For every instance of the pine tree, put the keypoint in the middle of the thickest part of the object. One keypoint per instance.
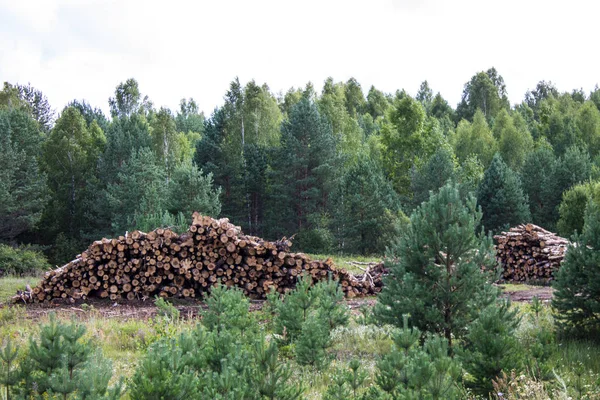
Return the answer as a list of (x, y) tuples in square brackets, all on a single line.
[(437, 276), (303, 169), (412, 371), (9, 374), (141, 188), (501, 197), (22, 186), (191, 190), (577, 281), (490, 347), (539, 185), (310, 347), (368, 214)]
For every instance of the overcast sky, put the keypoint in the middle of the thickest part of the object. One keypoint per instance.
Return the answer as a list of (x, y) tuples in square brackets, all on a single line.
[(77, 49)]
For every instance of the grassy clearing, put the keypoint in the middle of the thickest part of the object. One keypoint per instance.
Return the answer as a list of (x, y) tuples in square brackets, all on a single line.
[(345, 260), (516, 287), (571, 362)]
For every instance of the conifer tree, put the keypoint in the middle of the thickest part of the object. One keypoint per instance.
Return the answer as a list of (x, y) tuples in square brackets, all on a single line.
[(540, 186), (437, 276), (303, 169), (367, 210), (22, 186), (435, 173), (412, 371), (191, 190), (577, 288), (490, 346), (501, 197)]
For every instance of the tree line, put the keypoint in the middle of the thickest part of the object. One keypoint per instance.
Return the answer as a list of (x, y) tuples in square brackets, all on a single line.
[(337, 169)]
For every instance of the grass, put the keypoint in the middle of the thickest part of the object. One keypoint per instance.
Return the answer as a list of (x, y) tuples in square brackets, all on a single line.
[(10, 284), (345, 261), (125, 341), (516, 287)]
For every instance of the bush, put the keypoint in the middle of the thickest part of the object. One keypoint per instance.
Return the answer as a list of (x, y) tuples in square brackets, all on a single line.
[(21, 261), (58, 363), (490, 346)]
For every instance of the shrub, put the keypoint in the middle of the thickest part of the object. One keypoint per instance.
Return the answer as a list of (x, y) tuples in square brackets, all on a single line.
[(21, 261), (490, 346)]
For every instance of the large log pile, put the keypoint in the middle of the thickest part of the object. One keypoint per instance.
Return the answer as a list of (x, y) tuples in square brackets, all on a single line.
[(529, 253), (141, 265)]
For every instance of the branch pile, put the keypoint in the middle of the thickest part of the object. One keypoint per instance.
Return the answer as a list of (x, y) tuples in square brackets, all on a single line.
[(529, 253), (141, 265)]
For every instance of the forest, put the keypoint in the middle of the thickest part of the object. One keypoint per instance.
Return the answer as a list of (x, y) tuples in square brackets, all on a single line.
[(338, 170), (408, 179)]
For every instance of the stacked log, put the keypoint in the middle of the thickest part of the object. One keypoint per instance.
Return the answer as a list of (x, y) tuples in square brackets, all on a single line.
[(141, 265), (529, 253)]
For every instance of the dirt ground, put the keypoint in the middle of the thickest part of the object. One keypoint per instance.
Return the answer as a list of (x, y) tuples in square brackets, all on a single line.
[(191, 308)]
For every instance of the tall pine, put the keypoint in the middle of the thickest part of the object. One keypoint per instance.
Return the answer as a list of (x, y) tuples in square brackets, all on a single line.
[(501, 197), (302, 172)]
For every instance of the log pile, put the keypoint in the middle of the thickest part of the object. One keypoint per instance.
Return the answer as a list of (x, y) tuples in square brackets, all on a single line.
[(141, 265), (529, 253)]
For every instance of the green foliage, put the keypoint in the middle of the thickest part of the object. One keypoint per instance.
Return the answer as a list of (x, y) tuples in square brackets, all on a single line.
[(166, 309), (312, 342), (347, 382), (228, 309), (436, 270), (214, 360), (576, 286), (190, 190), (539, 184), (148, 222), (22, 261), (9, 374), (490, 346), (70, 156), (303, 169), (413, 371), (435, 173), (407, 136), (141, 188), (501, 197), (61, 362), (22, 186), (368, 214), (485, 92), (572, 207), (475, 139), (514, 139)]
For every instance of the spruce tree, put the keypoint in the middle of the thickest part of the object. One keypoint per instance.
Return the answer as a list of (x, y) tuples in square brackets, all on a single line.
[(302, 172), (367, 210), (577, 285), (435, 173), (440, 271), (501, 197)]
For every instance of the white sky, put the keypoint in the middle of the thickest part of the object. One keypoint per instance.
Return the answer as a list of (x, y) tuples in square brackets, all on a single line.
[(77, 49)]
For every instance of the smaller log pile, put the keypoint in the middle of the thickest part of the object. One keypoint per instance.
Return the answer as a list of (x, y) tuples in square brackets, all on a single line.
[(141, 265), (529, 253)]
